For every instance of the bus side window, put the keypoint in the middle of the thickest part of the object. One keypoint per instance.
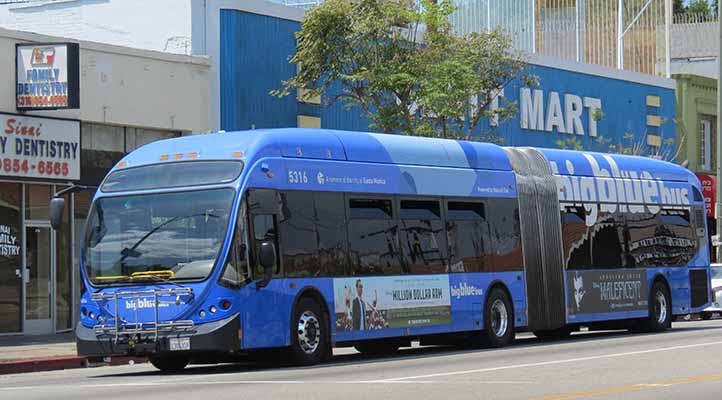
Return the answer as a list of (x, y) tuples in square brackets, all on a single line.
[(236, 268), (264, 230)]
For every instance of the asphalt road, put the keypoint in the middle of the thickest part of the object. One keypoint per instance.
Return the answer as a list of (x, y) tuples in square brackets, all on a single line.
[(684, 363)]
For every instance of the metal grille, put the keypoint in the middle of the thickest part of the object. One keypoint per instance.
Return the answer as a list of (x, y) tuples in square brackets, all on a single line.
[(582, 30), (698, 284), (513, 17)]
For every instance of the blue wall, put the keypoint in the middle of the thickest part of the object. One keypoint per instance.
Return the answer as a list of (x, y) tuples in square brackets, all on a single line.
[(254, 60)]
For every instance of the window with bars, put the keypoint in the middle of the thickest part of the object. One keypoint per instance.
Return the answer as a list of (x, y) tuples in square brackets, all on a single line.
[(707, 142)]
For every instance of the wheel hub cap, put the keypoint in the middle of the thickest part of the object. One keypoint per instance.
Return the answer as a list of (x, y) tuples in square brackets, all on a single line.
[(660, 306), (309, 332), (499, 318)]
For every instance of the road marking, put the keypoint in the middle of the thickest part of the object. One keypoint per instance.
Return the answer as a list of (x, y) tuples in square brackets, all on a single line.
[(554, 362), (631, 388)]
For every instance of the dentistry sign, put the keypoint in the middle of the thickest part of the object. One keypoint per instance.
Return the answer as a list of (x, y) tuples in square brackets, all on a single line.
[(45, 148), (47, 76)]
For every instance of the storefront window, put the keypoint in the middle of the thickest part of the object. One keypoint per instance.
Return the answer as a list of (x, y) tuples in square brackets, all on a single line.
[(37, 202), (10, 258)]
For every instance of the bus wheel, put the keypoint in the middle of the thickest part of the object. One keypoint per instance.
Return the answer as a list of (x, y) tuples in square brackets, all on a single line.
[(705, 316), (554, 334), (498, 319), (309, 333), (660, 309), (170, 362)]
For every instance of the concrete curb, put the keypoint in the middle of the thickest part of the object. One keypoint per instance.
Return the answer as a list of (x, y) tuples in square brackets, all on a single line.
[(57, 363)]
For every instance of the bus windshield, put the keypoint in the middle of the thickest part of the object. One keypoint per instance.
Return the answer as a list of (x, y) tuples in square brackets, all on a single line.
[(156, 236)]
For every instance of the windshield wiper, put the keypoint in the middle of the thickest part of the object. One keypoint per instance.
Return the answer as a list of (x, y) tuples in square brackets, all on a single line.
[(157, 276), (131, 252)]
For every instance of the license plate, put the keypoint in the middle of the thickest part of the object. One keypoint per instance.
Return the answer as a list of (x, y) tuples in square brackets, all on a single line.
[(180, 344)]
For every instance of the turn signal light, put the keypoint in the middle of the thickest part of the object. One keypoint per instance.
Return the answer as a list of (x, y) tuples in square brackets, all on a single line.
[(238, 154), (225, 304), (121, 164)]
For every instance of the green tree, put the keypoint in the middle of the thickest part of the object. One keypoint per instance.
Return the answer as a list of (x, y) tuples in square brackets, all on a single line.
[(403, 65), (678, 7), (699, 7)]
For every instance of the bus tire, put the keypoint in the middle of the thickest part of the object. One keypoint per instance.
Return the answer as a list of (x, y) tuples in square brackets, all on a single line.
[(660, 309), (705, 316), (498, 319), (170, 362), (309, 333), (554, 334), (376, 348)]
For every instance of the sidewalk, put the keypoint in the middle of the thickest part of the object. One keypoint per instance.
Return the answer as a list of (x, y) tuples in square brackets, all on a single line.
[(42, 353), (15, 348)]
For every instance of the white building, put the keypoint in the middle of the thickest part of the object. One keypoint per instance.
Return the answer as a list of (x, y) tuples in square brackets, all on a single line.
[(128, 97), (161, 25)]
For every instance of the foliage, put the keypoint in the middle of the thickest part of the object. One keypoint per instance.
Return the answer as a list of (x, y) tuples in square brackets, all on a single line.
[(628, 145), (699, 7), (401, 63), (678, 7)]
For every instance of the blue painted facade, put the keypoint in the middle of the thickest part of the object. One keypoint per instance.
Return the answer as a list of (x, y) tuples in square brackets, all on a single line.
[(377, 163), (255, 50)]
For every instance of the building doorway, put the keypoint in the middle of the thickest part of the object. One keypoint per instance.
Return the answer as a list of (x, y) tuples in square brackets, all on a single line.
[(39, 278)]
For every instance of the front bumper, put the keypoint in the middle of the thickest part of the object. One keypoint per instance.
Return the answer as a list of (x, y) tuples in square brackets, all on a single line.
[(212, 337)]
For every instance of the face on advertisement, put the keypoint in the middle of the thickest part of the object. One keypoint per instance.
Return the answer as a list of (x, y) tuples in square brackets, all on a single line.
[(359, 288)]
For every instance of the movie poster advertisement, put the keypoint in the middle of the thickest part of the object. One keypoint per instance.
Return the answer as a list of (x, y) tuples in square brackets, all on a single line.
[(606, 291), (366, 303)]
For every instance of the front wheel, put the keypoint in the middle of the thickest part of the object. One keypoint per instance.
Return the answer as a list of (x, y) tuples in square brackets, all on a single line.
[(309, 333), (498, 319), (170, 362), (660, 309), (706, 316)]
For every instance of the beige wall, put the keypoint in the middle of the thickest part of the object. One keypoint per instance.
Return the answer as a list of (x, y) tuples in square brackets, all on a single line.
[(124, 86)]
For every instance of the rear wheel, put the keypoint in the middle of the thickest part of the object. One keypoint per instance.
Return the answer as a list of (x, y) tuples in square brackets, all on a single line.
[(170, 362), (660, 309), (498, 319), (309, 333), (705, 315)]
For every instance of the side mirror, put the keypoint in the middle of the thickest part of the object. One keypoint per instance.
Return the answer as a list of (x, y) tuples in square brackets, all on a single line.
[(267, 259), (57, 206)]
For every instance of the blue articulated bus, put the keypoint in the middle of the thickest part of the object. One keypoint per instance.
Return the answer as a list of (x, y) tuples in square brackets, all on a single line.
[(212, 246)]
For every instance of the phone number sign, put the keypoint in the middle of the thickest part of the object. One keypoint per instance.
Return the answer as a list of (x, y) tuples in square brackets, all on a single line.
[(33, 147)]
